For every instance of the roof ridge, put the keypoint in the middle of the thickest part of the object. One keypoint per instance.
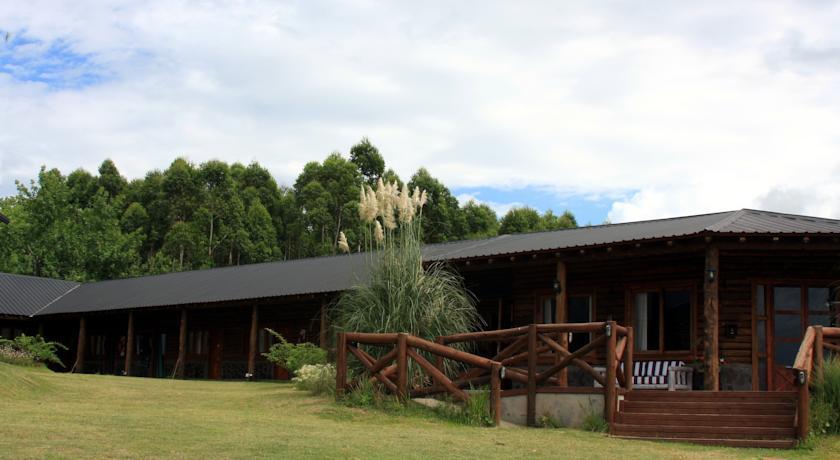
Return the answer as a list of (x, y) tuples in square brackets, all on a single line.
[(54, 300), (717, 226)]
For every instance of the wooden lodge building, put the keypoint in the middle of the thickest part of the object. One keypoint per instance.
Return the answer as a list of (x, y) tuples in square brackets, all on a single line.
[(730, 293)]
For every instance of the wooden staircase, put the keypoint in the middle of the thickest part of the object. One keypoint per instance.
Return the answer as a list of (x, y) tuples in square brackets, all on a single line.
[(727, 418)]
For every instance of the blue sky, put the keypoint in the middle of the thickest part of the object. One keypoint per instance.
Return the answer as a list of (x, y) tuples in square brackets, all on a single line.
[(609, 109)]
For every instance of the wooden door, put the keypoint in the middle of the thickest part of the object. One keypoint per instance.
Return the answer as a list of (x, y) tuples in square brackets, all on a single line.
[(216, 351)]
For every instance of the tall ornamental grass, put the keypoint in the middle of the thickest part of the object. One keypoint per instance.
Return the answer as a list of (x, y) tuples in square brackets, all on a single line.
[(400, 293), (825, 400)]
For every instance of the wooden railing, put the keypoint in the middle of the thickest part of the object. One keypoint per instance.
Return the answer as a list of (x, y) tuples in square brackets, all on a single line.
[(535, 356), (808, 363)]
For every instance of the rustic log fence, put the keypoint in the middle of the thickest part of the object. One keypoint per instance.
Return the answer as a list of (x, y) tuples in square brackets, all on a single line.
[(809, 362), (533, 356)]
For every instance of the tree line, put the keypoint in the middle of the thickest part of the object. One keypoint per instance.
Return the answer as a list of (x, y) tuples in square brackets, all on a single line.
[(91, 227)]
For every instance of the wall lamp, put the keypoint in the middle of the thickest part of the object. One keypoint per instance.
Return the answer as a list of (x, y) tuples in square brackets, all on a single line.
[(711, 275), (556, 286)]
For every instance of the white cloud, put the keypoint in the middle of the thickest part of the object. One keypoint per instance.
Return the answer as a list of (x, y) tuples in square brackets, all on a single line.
[(499, 208), (671, 108)]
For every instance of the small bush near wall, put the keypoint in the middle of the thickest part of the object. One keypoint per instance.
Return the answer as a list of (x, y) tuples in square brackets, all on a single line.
[(30, 350), (293, 356), (318, 379), (825, 402)]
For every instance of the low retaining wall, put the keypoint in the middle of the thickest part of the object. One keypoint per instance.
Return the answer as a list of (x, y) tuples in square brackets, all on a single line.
[(568, 409)]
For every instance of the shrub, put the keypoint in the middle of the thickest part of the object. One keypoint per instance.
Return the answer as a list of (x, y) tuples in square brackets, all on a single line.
[(11, 356), (319, 379), (475, 412), (547, 421), (293, 356), (35, 347), (400, 294), (595, 422), (825, 401)]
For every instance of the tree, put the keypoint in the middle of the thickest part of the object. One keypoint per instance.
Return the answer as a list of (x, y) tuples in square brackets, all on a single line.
[(83, 187), (262, 244), (480, 220), (442, 218), (367, 159), (110, 178), (520, 220), (550, 221)]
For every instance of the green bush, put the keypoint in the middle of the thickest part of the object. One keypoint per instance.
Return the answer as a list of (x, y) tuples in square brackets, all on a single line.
[(825, 400), (595, 422), (35, 347), (547, 421), (318, 379), (293, 356)]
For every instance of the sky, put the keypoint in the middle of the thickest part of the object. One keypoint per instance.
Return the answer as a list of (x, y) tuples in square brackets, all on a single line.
[(618, 111)]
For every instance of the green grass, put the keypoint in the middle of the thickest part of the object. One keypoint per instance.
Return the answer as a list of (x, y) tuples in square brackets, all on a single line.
[(59, 415)]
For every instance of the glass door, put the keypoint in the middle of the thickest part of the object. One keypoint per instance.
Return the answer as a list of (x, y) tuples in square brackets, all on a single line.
[(787, 334)]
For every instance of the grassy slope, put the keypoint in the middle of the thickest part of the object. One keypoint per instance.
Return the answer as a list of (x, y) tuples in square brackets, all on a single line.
[(47, 414)]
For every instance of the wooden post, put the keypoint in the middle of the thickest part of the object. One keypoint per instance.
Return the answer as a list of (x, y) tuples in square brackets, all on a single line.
[(628, 360), (819, 356), (129, 345), (323, 335), (561, 301), (340, 365), (532, 376), (711, 310), (802, 405), (79, 366), (496, 393), (252, 342), (402, 366), (182, 346), (609, 388)]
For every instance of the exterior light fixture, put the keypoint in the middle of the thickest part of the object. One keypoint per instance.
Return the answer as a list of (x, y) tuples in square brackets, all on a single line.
[(802, 377), (711, 275), (556, 286), (608, 330)]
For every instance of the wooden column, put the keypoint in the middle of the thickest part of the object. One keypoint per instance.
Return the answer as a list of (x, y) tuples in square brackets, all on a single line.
[(561, 301), (252, 342), (402, 366), (323, 335), (711, 311), (532, 376), (496, 393), (340, 365), (802, 409), (81, 345), (182, 345), (628, 360), (609, 388), (129, 345)]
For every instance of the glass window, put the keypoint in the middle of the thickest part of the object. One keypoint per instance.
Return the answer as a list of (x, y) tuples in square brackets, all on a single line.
[(549, 311), (788, 326), (646, 321), (818, 299), (762, 374), (759, 300), (580, 311), (787, 298), (761, 334), (677, 320), (819, 320), (786, 353)]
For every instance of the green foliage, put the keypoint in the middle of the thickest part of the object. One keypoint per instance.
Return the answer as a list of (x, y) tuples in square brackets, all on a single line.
[(293, 356), (475, 412), (318, 379), (368, 160), (480, 220), (825, 399), (35, 347), (594, 421), (442, 218), (526, 219), (546, 420)]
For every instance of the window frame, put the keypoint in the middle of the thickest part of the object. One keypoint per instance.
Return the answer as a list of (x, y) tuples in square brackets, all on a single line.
[(661, 288)]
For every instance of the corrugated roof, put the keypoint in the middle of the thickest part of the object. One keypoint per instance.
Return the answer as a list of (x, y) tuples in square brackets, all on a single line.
[(25, 295), (337, 273)]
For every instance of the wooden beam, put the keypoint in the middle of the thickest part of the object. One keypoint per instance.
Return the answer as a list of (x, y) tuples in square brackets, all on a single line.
[(129, 345), (81, 344), (711, 311), (561, 301), (182, 346), (252, 342), (819, 353), (496, 394), (628, 360), (609, 389), (323, 334)]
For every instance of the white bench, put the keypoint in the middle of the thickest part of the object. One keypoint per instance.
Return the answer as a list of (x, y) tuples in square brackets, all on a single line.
[(658, 375)]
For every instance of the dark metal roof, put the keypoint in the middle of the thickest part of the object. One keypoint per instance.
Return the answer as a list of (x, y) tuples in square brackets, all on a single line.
[(337, 273), (25, 295)]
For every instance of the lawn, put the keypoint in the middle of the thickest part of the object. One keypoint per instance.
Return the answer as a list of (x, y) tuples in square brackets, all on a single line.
[(60, 415)]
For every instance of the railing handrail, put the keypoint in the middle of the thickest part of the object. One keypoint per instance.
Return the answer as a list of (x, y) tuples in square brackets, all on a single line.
[(808, 359)]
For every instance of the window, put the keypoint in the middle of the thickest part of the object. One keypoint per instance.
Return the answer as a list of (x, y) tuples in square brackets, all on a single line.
[(580, 311), (662, 320), (96, 345), (197, 342), (549, 312)]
